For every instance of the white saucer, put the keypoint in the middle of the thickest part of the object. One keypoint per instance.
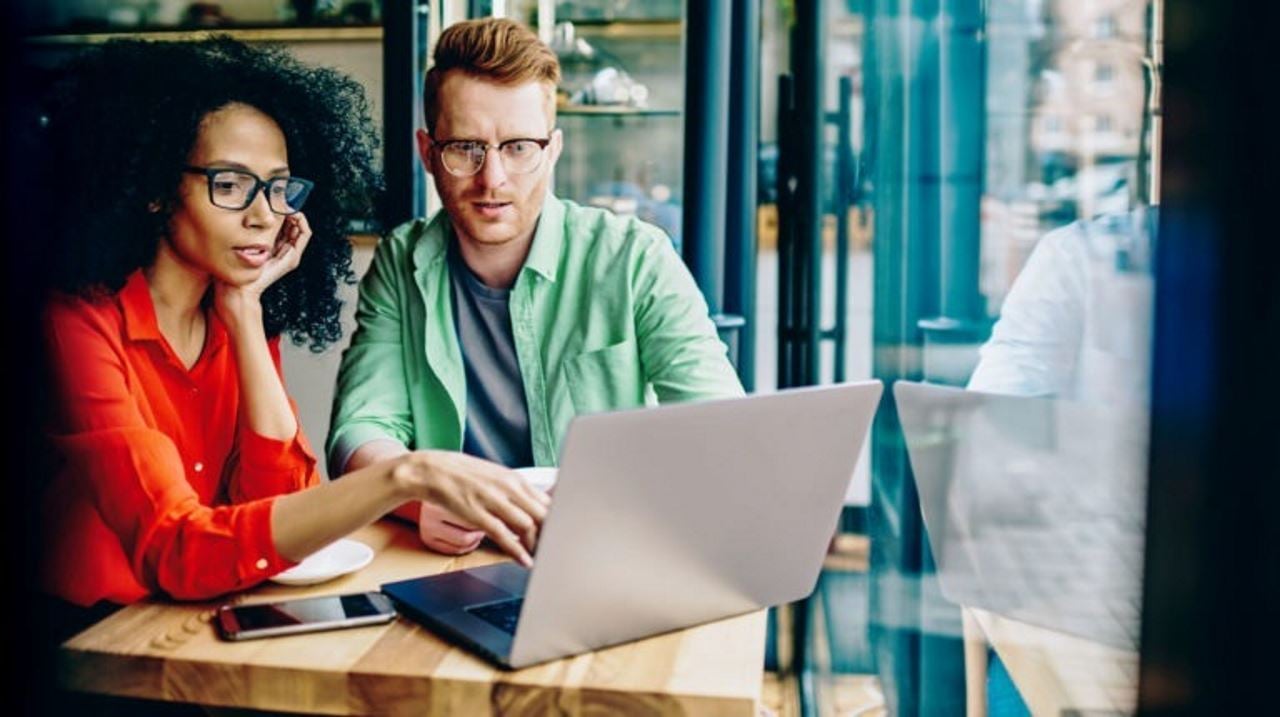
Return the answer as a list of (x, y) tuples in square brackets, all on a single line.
[(333, 560), (540, 478)]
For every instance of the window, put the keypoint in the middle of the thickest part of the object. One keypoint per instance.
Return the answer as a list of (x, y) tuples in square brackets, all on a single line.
[(1104, 73), (1103, 28), (1011, 266)]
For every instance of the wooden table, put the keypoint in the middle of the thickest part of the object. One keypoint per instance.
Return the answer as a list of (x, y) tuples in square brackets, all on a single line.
[(1056, 673), (168, 651)]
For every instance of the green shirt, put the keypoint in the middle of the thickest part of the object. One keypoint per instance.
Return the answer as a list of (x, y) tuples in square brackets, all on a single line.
[(604, 314)]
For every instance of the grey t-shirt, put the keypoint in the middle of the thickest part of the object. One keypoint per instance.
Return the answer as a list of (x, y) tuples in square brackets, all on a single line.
[(497, 415)]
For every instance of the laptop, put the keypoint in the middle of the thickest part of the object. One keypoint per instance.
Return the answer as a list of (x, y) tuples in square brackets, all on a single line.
[(664, 518), (1034, 507)]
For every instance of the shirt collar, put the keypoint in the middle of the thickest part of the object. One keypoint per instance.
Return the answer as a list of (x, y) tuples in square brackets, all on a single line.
[(548, 239), (139, 310), (140, 322), (544, 253)]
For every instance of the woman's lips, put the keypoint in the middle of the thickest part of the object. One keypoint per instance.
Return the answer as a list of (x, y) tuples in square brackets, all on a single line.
[(254, 256)]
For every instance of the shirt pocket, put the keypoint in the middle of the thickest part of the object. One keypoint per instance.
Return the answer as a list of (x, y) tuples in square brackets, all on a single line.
[(606, 379)]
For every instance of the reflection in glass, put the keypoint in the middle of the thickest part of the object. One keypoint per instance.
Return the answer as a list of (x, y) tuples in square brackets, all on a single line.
[(1034, 507), (1011, 152), (1077, 321)]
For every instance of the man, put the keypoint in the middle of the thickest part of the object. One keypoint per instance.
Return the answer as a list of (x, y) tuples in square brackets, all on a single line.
[(1076, 325), (1077, 321), (490, 326)]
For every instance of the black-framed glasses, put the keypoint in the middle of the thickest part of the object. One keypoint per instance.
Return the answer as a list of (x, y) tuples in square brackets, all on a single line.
[(465, 157), (236, 189)]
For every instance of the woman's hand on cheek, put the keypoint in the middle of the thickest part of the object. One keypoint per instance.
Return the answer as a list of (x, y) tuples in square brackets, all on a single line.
[(232, 302), (295, 233)]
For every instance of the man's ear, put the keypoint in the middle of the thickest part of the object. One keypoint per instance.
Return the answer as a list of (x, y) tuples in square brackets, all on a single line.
[(424, 149), (556, 146)]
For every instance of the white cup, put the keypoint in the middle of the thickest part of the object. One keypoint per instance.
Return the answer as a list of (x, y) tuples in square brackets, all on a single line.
[(541, 478)]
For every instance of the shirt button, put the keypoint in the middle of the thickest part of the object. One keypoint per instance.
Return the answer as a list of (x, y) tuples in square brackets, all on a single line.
[(198, 466), (261, 564)]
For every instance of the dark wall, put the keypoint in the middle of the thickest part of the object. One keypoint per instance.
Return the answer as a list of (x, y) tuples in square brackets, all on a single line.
[(1210, 633), (26, 673)]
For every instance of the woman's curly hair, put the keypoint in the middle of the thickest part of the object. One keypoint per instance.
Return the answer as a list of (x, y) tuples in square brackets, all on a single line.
[(119, 129)]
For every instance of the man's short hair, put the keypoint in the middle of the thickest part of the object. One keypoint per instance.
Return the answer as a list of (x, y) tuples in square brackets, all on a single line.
[(495, 49)]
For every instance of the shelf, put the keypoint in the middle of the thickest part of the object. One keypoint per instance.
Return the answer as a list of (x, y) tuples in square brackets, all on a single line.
[(614, 111), (628, 29), (343, 33)]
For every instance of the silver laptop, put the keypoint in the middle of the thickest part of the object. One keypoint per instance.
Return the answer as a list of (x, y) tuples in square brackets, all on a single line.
[(664, 518), (1034, 507)]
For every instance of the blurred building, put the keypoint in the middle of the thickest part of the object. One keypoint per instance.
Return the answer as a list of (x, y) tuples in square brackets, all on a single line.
[(1090, 94), (1074, 152)]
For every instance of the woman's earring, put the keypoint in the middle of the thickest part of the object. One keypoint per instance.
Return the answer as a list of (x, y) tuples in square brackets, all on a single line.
[(154, 206)]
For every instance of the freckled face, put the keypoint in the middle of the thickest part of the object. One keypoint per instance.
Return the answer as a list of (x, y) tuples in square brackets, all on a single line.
[(492, 207)]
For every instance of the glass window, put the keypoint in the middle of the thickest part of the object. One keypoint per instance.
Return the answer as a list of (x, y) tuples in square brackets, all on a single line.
[(1104, 73), (1104, 27), (1007, 154), (619, 103)]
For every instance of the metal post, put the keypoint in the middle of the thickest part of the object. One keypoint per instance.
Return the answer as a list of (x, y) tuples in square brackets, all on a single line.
[(901, 138), (706, 144), (961, 322), (808, 59), (808, 48), (844, 190), (740, 218), (962, 95), (403, 38), (787, 320)]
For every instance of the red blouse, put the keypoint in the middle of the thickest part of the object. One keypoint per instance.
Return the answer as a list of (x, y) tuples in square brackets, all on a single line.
[(161, 487)]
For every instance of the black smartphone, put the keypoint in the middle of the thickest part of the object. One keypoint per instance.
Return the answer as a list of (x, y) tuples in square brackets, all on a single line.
[(289, 617)]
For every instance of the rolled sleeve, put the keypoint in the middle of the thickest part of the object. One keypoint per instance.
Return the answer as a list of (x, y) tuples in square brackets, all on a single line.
[(257, 555), (232, 545), (174, 544), (267, 466), (260, 451), (347, 441)]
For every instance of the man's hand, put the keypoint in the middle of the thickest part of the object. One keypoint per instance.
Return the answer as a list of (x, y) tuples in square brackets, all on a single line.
[(445, 532), (476, 492)]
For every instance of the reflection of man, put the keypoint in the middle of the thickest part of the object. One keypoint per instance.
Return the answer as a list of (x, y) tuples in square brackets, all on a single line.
[(1077, 325), (1077, 322), (490, 326)]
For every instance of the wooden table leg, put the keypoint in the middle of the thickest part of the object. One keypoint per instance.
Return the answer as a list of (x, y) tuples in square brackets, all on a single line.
[(975, 666)]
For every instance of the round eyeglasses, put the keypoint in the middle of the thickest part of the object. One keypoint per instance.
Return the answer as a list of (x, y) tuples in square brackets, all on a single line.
[(236, 189), (465, 157)]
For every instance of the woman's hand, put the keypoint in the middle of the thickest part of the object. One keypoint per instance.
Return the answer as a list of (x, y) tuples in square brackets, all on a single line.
[(493, 499), (234, 302)]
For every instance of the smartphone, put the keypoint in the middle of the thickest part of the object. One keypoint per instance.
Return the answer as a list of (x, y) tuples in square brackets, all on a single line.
[(290, 617)]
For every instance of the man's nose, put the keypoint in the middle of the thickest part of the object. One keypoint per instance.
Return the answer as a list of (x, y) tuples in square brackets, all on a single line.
[(493, 173)]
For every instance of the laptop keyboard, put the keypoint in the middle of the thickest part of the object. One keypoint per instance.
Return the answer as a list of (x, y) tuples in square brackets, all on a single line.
[(502, 615)]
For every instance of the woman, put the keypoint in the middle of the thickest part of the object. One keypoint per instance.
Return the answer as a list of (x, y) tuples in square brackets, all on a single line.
[(181, 255)]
